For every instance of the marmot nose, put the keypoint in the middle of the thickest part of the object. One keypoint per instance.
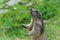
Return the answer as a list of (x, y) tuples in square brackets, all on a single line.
[(32, 10)]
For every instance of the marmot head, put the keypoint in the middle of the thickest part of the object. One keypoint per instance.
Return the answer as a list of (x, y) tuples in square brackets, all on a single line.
[(35, 13)]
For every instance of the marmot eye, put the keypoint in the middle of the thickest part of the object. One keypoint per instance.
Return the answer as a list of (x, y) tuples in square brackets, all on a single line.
[(36, 11)]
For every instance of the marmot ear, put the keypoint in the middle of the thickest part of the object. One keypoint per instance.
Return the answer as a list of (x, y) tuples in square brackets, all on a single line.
[(36, 11)]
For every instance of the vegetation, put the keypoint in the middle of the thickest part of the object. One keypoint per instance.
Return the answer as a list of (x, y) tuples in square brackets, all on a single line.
[(10, 22)]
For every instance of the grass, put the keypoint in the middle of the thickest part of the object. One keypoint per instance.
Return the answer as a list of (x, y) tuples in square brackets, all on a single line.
[(20, 14), (52, 30)]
